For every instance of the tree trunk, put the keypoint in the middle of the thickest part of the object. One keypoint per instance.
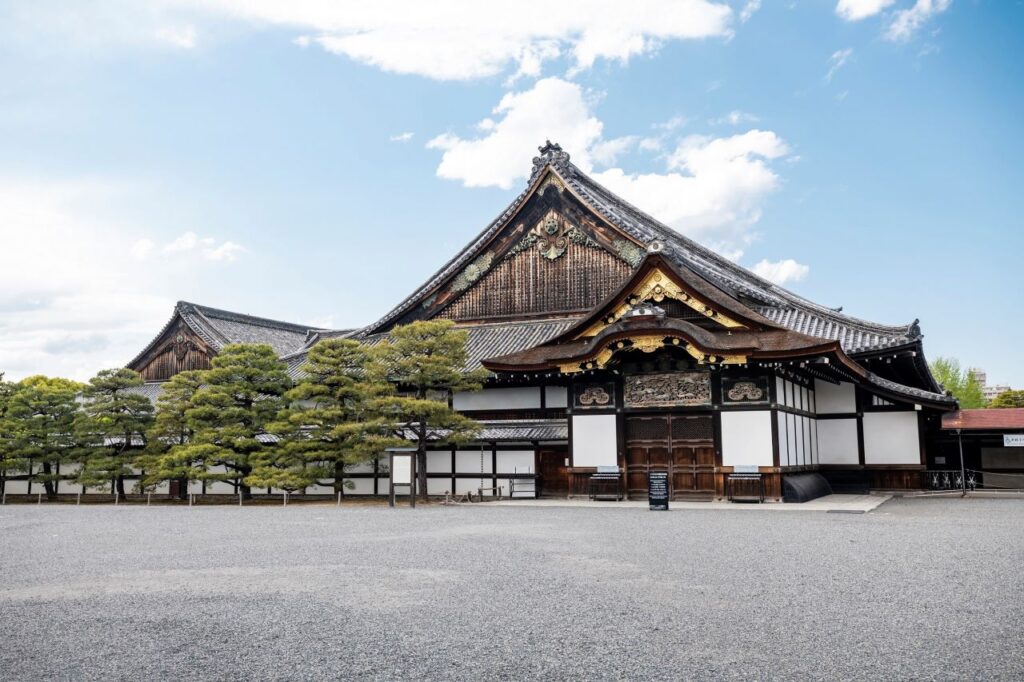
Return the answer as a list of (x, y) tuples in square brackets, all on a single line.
[(120, 487), (48, 486), (339, 478), (246, 491), (183, 488), (421, 471)]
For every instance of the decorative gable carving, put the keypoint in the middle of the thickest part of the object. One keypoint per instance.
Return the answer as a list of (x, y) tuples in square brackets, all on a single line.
[(657, 286)]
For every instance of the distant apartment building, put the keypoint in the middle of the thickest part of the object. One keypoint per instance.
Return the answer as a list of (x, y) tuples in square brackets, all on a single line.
[(989, 392)]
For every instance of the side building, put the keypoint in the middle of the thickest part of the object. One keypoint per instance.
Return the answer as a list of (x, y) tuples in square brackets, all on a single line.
[(614, 341)]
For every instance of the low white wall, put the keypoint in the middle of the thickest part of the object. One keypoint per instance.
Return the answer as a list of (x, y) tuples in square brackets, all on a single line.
[(835, 399), (837, 441), (519, 398), (747, 438), (891, 438), (594, 440)]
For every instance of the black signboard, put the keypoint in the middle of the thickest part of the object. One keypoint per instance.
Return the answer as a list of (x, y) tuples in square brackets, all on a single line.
[(657, 490)]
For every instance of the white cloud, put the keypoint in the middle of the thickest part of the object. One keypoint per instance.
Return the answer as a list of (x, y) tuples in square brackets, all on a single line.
[(552, 109), (401, 137), (183, 37), (712, 188), (447, 40), (855, 10), (749, 9), (206, 247), (79, 291), (781, 272), (906, 22), (607, 152), (734, 118), (837, 61)]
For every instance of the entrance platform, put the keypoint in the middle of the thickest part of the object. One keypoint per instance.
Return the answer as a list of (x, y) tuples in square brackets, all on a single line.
[(852, 504)]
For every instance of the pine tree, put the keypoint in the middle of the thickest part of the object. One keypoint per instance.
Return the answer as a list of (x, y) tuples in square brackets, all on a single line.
[(335, 419), (39, 427), (9, 459), (229, 415), (113, 422), (170, 428), (427, 360)]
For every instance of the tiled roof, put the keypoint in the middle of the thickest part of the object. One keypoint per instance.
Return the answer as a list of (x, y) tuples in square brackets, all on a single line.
[(1009, 418), (222, 327), (911, 392), (524, 430), (484, 340), (516, 430), (150, 389), (770, 300)]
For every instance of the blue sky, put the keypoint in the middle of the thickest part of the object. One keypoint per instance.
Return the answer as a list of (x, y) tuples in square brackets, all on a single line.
[(315, 161)]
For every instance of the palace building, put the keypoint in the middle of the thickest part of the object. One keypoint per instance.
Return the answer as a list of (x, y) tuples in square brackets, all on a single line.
[(617, 345)]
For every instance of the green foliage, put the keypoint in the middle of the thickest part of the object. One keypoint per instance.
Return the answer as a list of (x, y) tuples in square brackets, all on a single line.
[(426, 360), (962, 385), (1008, 399), (170, 428), (9, 458), (229, 415), (112, 424), (334, 420), (38, 426)]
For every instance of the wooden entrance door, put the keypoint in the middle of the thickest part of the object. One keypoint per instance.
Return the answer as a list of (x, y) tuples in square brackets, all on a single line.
[(554, 474), (681, 445)]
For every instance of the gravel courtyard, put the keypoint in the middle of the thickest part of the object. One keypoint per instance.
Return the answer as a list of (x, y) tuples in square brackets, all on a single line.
[(918, 589)]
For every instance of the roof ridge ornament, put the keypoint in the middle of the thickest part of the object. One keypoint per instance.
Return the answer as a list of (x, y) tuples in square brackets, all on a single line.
[(551, 154)]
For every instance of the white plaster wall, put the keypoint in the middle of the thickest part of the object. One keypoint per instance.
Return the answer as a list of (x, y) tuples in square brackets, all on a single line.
[(439, 461), (747, 438), (466, 485), (801, 454), (468, 461), (594, 440), (556, 396), (511, 460), (518, 398), (891, 438), (363, 486), (813, 435), (438, 486), (16, 487), (837, 441), (72, 488), (783, 440), (835, 399)]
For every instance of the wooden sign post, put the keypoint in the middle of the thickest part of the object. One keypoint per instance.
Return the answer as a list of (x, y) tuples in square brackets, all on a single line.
[(402, 465)]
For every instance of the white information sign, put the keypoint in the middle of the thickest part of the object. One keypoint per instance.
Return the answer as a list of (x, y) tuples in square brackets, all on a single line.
[(401, 469), (1013, 440)]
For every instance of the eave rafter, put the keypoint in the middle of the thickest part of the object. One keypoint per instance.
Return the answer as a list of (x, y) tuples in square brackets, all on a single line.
[(657, 286), (649, 342)]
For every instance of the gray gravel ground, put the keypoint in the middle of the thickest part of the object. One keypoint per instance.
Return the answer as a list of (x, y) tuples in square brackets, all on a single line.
[(918, 589)]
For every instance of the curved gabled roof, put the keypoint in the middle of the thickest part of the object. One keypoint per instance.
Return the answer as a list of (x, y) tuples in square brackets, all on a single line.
[(776, 303), (219, 328)]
